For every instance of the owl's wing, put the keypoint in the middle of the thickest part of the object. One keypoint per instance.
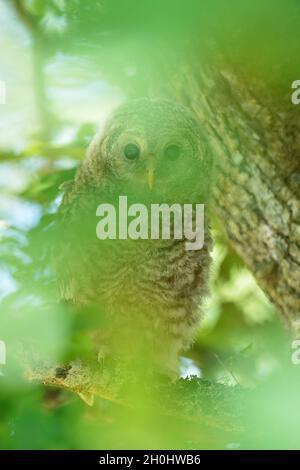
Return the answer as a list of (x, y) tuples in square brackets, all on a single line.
[(63, 245), (67, 188), (66, 185), (75, 229)]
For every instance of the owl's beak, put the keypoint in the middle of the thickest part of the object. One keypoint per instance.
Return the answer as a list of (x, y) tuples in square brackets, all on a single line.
[(150, 165), (150, 178)]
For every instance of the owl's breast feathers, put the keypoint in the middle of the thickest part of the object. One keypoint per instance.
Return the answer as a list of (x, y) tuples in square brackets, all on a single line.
[(155, 283)]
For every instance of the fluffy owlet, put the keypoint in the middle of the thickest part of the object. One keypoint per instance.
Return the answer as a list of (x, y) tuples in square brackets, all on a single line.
[(145, 294)]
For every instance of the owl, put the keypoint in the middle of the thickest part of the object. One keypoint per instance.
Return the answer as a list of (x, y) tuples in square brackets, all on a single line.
[(143, 295)]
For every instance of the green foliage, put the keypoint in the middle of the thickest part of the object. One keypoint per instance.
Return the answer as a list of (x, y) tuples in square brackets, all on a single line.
[(247, 394)]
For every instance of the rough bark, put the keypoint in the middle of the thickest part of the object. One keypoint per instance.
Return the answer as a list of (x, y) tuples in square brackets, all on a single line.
[(256, 195)]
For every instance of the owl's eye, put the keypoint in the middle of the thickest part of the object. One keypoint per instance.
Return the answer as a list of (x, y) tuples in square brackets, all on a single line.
[(172, 152), (131, 151)]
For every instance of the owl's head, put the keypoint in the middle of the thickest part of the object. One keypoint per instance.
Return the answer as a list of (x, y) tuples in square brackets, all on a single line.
[(150, 146)]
